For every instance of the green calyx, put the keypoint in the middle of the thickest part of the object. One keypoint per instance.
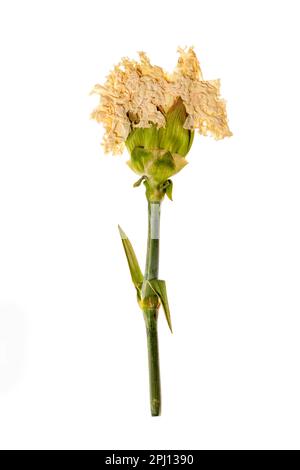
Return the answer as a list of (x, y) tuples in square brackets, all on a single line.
[(157, 154)]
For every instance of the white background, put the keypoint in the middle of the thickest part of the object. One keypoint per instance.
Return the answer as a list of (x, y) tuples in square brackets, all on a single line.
[(73, 366)]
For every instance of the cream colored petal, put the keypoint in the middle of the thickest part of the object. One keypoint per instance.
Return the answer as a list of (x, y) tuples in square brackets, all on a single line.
[(137, 94), (188, 65)]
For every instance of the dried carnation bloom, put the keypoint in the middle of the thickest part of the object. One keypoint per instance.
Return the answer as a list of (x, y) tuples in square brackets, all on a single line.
[(138, 94)]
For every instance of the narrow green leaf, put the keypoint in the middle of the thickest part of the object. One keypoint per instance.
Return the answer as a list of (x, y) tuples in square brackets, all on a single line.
[(135, 271), (160, 288)]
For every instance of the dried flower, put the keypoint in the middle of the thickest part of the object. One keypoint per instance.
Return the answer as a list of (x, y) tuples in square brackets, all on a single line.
[(155, 115), (139, 95)]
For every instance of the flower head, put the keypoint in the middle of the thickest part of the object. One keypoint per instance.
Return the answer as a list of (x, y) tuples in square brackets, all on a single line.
[(138, 94), (154, 114)]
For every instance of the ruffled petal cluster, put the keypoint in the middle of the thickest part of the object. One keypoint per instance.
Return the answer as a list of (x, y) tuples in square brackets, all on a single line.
[(137, 94)]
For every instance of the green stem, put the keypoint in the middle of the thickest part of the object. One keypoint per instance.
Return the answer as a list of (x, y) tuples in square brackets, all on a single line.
[(151, 310), (152, 259), (150, 316)]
